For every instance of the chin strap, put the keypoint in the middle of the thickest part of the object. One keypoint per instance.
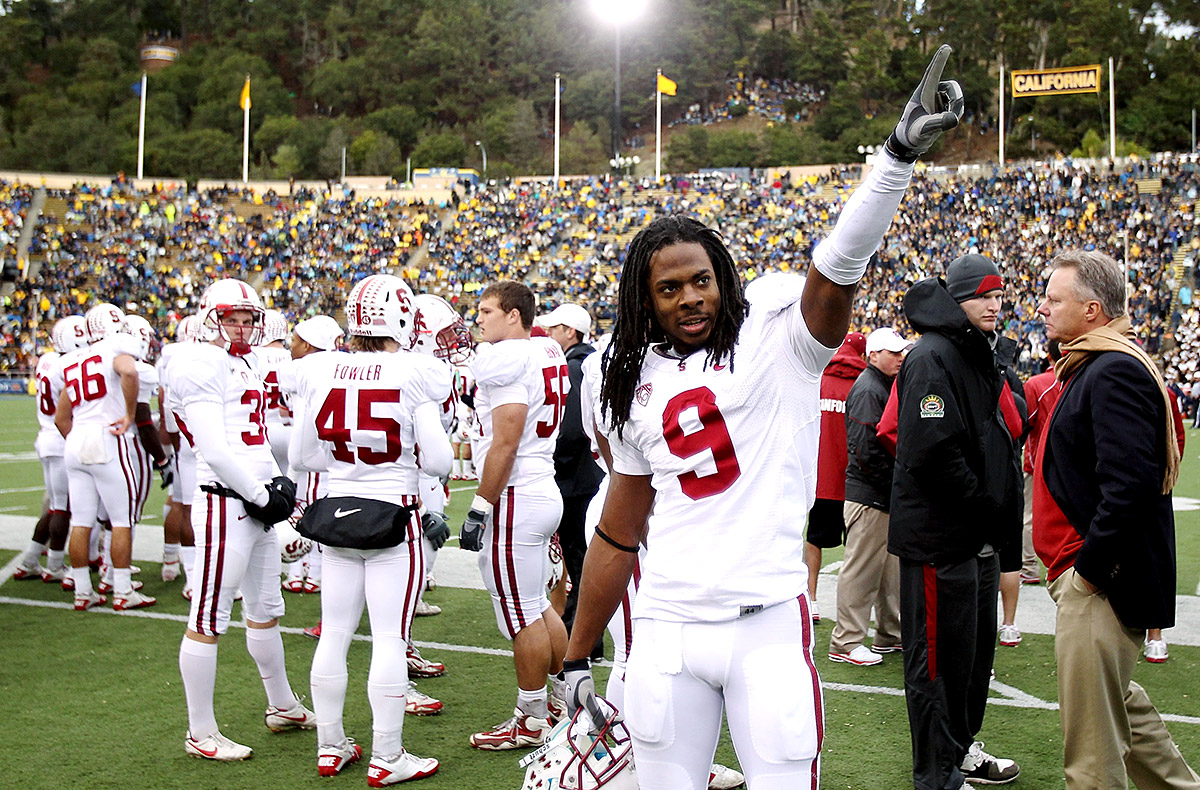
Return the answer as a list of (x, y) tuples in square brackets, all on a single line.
[(238, 348)]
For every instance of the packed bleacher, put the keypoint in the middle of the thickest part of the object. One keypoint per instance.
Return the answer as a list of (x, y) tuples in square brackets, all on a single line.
[(779, 100), (152, 252)]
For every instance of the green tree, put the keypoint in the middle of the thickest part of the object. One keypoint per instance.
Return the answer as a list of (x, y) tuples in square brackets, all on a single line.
[(441, 149)]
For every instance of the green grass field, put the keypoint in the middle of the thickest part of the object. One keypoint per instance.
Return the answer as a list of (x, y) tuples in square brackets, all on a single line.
[(95, 699)]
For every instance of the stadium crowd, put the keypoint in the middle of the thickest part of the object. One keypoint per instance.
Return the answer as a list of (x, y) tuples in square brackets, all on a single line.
[(146, 251), (780, 100)]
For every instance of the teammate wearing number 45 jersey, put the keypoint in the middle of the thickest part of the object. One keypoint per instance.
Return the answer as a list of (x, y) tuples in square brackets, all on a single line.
[(220, 403), (522, 386), (710, 396)]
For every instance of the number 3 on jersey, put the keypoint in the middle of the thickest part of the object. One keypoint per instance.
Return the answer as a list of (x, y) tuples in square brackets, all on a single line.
[(712, 436), (556, 398)]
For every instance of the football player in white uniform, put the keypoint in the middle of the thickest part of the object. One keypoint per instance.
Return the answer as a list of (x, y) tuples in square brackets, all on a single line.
[(365, 414), (221, 413), (270, 355), (52, 528), (441, 333), (521, 387), (179, 543), (712, 396), (96, 412)]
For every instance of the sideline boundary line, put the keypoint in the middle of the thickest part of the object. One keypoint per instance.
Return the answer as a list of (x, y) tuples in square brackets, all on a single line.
[(1014, 697)]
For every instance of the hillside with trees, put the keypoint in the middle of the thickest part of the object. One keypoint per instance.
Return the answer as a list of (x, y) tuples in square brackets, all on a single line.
[(392, 79)]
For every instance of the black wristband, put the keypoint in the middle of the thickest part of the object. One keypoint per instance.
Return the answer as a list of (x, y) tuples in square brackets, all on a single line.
[(900, 151), (575, 664), (614, 544)]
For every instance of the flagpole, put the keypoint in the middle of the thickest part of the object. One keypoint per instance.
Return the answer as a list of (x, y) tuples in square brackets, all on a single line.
[(142, 127), (1112, 115), (658, 127), (557, 127), (246, 134), (1002, 89)]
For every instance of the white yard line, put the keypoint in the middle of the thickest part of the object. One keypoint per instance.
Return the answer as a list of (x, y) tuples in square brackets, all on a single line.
[(1014, 697)]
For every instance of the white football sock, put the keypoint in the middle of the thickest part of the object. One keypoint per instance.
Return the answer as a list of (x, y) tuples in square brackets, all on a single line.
[(265, 646), (170, 552), (122, 581), (33, 554), (83, 581), (533, 703), (94, 544), (187, 557), (198, 667), (387, 688), (55, 558), (329, 700)]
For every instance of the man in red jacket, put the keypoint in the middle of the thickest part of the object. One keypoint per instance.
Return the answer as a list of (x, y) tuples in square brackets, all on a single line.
[(826, 525)]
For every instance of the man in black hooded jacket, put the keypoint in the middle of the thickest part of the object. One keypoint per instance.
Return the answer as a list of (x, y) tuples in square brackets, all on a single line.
[(956, 503)]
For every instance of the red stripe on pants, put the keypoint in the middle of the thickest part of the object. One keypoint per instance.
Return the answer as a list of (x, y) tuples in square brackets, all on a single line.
[(497, 576), (510, 561), (220, 562), (931, 619), (208, 548)]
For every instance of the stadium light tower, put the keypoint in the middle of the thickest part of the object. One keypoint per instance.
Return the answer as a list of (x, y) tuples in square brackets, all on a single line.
[(483, 151), (618, 13)]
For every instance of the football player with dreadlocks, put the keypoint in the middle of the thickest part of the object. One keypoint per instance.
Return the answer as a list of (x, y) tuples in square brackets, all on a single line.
[(712, 397)]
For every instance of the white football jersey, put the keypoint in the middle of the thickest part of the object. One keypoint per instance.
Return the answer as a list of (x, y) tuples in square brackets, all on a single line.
[(360, 407), (269, 360), (732, 454), (207, 373), (147, 381), (91, 383), (532, 372), (48, 377)]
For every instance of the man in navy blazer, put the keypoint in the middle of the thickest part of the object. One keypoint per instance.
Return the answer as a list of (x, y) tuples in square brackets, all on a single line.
[(1104, 527)]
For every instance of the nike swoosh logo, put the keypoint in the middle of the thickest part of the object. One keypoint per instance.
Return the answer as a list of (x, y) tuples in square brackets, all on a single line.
[(339, 513), (213, 753), (719, 368), (244, 515)]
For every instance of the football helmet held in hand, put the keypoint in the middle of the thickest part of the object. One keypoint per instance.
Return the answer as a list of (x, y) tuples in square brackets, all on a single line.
[(580, 754)]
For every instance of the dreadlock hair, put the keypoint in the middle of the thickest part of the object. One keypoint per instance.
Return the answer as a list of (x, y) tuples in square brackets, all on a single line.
[(636, 326)]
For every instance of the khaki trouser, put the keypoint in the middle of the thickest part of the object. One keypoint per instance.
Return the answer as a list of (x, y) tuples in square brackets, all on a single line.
[(1029, 559), (1111, 731), (869, 575)]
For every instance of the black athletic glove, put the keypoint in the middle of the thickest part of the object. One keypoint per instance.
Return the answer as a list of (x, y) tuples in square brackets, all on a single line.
[(166, 472), (433, 524), (470, 537), (934, 107), (281, 501), (581, 691)]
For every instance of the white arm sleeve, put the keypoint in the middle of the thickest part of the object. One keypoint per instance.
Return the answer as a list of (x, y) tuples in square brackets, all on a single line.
[(436, 457), (842, 256), (214, 449)]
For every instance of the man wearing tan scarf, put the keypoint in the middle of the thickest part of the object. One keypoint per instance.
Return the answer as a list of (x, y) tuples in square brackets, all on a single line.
[(1104, 527)]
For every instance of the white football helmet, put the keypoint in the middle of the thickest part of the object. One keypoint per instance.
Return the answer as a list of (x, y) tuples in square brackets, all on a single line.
[(188, 330), (103, 320), (143, 332), (292, 545), (572, 758), (275, 327), (228, 296), (441, 331), (382, 306), (69, 334)]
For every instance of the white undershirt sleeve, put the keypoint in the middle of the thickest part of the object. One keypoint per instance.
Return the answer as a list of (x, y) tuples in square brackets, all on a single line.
[(215, 451), (436, 456), (842, 256)]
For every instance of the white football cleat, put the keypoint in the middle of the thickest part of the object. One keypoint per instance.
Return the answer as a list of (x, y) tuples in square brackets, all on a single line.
[(132, 600), (85, 602), (296, 717), (418, 704), (332, 759), (396, 768), (107, 586), (424, 609), (28, 572), (170, 570), (722, 778), (217, 747), (421, 667), (52, 575)]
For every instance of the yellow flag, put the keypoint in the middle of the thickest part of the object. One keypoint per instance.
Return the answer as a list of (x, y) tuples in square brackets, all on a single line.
[(664, 85), (244, 101)]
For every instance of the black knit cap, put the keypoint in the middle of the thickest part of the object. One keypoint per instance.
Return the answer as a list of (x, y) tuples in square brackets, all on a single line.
[(971, 276)]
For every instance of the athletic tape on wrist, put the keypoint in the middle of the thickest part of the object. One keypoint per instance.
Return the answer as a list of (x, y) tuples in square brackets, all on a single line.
[(482, 505)]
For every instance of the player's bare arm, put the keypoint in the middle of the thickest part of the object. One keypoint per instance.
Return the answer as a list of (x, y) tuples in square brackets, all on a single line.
[(125, 366), (508, 423), (606, 567), (63, 414), (826, 307)]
